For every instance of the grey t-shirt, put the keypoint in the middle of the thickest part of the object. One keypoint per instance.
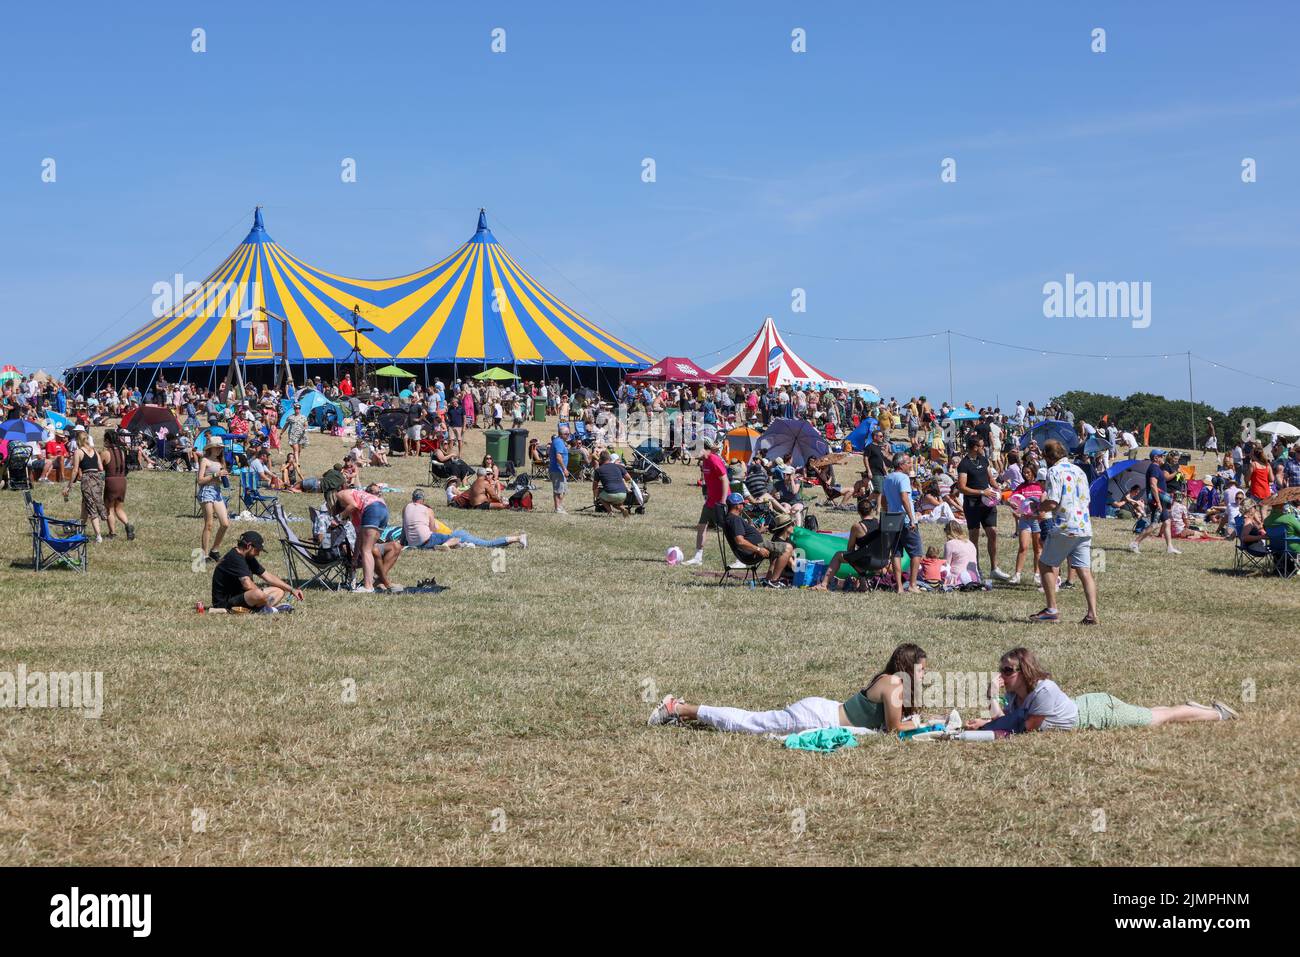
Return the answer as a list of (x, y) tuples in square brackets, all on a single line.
[(1047, 699)]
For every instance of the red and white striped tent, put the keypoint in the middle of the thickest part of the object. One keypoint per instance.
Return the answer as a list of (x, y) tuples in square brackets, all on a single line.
[(768, 360)]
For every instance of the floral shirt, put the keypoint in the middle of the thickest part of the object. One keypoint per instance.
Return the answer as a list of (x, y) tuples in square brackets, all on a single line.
[(1067, 486)]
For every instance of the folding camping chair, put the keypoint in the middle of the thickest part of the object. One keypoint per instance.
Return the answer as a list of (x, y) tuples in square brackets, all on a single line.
[(52, 546), (748, 564), (251, 497), (16, 466), (1282, 558), (311, 564), (1243, 559), (881, 551)]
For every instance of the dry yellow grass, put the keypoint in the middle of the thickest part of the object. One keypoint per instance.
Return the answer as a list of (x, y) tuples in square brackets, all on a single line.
[(503, 720)]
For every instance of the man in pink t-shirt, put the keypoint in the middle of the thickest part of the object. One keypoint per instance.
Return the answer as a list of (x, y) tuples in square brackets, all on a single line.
[(716, 486)]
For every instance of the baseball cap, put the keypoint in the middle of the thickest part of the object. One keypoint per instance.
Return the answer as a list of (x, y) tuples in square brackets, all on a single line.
[(1155, 452), (251, 538), (417, 495), (735, 498)]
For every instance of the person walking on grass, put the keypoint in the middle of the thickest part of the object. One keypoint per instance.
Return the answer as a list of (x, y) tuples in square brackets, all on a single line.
[(1158, 502), (1066, 530), (87, 468), (1036, 703), (295, 431), (208, 481), (713, 471), (115, 485), (886, 703)]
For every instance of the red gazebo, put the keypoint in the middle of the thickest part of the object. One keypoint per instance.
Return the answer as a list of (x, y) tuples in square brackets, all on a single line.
[(677, 370)]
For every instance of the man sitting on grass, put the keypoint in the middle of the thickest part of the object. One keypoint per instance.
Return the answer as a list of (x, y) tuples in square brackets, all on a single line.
[(232, 580), (750, 544)]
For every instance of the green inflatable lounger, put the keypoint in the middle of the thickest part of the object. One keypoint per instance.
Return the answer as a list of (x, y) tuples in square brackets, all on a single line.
[(822, 546)]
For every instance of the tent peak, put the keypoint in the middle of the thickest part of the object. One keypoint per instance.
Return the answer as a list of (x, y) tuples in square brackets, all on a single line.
[(482, 234), (258, 233)]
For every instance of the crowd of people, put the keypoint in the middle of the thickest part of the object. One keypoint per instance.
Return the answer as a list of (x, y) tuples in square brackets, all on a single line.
[(953, 467)]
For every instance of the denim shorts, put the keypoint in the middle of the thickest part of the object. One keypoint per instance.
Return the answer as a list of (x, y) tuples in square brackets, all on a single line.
[(1027, 525), (209, 493), (375, 515)]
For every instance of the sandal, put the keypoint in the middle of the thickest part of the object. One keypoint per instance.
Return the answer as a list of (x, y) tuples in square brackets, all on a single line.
[(1088, 620)]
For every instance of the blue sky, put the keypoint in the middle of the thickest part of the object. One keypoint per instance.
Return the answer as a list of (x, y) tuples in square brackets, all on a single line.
[(775, 170)]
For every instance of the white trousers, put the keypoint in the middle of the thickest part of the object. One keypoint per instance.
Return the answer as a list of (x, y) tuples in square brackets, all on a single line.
[(805, 714), (940, 514)]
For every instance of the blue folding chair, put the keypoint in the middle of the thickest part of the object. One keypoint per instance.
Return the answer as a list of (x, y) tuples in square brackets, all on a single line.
[(56, 542), (253, 499), (1280, 543), (1256, 558)]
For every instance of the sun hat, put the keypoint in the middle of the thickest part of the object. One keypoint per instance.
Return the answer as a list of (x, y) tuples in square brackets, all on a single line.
[(780, 522)]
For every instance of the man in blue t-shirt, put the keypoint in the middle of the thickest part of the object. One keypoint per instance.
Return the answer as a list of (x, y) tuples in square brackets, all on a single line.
[(559, 466), (1157, 494), (895, 497)]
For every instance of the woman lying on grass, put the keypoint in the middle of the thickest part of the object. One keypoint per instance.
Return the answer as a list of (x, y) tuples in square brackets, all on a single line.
[(882, 705), (1035, 702)]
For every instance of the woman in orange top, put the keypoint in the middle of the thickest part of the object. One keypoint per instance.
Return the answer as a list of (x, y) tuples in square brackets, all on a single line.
[(1259, 476)]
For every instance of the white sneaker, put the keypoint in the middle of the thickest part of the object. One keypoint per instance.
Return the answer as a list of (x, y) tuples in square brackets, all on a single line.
[(738, 565), (523, 541), (1000, 575), (1172, 551), (698, 559), (1133, 547), (560, 511), (363, 591), (99, 539), (468, 545), (1014, 579), (665, 713)]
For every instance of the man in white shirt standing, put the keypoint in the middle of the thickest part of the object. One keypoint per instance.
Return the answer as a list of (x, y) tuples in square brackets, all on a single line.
[(1066, 524)]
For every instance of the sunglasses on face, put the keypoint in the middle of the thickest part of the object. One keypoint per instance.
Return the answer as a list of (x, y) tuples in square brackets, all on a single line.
[(1008, 671)]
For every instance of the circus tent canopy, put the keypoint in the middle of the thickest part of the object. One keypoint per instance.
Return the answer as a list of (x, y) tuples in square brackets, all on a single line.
[(477, 306), (768, 360)]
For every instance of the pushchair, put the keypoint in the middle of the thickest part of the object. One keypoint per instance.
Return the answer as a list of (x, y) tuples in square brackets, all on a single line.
[(645, 462)]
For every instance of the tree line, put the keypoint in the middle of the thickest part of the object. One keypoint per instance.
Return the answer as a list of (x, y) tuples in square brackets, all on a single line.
[(1173, 421)]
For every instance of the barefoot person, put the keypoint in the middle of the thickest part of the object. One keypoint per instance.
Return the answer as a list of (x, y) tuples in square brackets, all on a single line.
[(1036, 703), (886, 703), (422, 529), (208, 482), (233, 585)]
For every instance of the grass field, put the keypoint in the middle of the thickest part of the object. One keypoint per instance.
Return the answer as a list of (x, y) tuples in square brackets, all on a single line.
[(503, 721)]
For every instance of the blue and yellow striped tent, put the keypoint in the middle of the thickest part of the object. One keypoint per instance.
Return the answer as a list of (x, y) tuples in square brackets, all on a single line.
[(477, 307)]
